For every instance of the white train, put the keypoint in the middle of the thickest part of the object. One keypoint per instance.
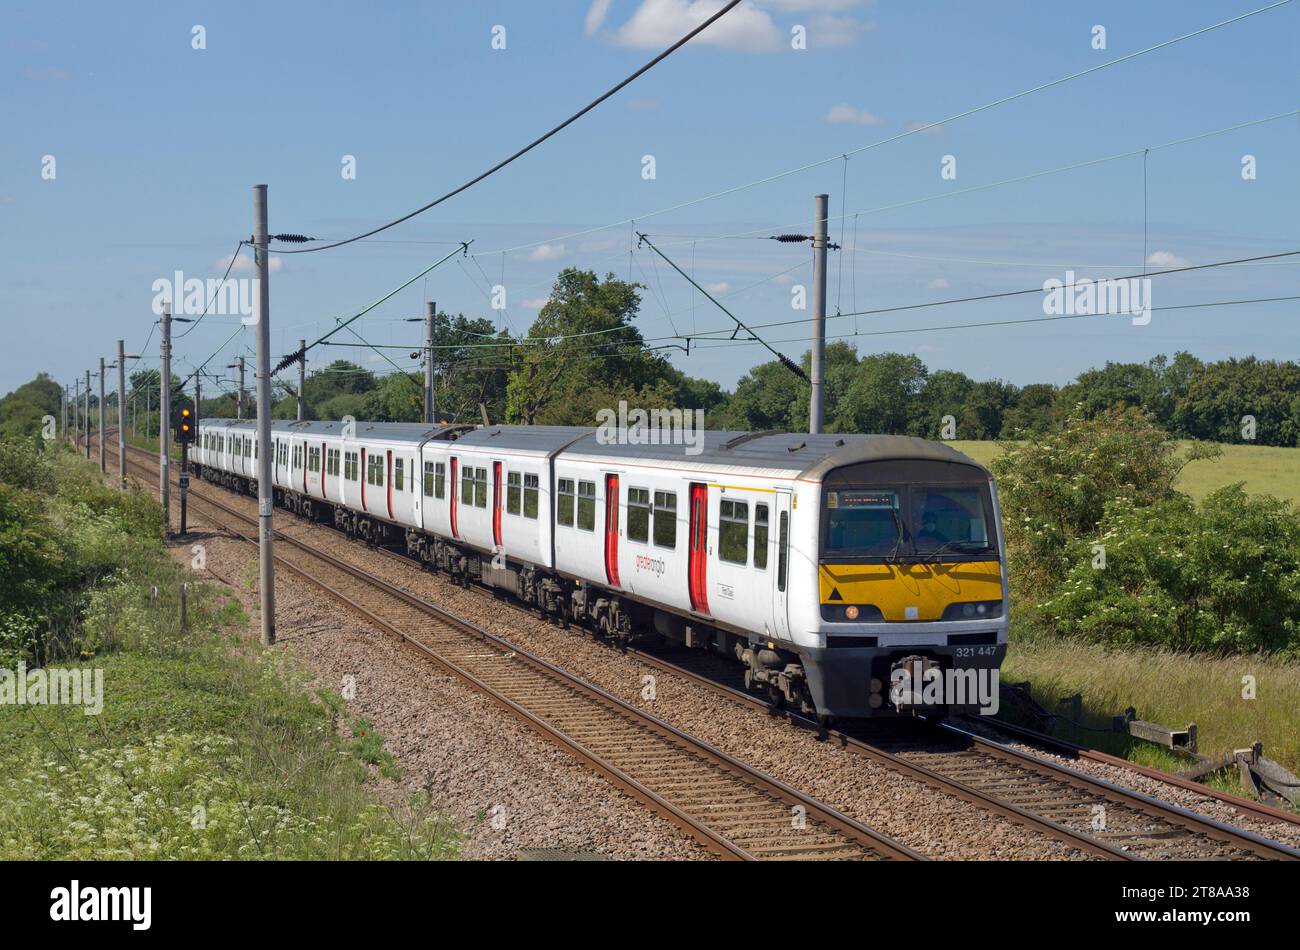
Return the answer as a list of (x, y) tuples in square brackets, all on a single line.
[(823, 563)]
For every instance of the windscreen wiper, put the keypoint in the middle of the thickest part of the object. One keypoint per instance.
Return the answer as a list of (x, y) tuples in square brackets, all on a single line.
[(898, 524), (975, 546)]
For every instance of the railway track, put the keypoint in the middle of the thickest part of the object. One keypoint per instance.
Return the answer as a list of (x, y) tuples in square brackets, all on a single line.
[(731, 808), (1080, 810), (1099, 817)]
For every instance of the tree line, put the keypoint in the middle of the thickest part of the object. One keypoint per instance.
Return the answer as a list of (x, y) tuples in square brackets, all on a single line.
[(584, 353)]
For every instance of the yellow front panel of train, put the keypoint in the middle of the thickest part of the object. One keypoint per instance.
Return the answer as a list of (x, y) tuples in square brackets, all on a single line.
[(911, 592)]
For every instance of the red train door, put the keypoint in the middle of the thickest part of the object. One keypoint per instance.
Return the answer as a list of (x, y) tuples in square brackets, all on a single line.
[(455, 488), (698, 559), (324, 455), (304, 467), (389, 483), (496, 504), (611, 530), (362, 474)]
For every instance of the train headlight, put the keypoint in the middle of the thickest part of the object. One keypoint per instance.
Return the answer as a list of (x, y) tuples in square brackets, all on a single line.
[(974, 610), (851, 612)]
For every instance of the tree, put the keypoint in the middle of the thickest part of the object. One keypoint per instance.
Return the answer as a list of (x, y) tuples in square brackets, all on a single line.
[(1220, 396), (945, 393), (1034, 412), (882, 396), (582, 354), (986, 405), (1054, 490)]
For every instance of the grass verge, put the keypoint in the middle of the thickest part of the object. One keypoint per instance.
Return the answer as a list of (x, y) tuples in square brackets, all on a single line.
[(1170, 688), (207, 746)]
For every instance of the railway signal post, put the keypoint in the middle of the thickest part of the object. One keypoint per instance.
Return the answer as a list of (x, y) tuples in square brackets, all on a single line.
[(186, 422), (165, 416), (262, 378), (816, 406)]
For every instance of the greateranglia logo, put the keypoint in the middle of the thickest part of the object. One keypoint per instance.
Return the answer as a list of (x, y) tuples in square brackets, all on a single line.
[(103, 903)]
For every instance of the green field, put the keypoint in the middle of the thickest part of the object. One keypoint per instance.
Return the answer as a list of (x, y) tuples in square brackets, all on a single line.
[(1264, 469)]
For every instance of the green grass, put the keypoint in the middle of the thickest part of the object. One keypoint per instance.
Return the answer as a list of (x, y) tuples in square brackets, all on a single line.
[(207, 745), (1169, 688), (1264, 469)]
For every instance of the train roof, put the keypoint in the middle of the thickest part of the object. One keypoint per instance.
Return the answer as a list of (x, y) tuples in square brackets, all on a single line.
[(383, 431), (786, 454), (796, 455)]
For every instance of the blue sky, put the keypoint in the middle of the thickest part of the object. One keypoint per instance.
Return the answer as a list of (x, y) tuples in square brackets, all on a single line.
[(157, 146)]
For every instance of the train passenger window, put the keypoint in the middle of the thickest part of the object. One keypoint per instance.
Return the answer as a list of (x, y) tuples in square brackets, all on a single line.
[(782, 549), (428, 479), (733, 531), (467, 486), (332, 462), (351, 467), (530, 496), (313, 459), (638, 515), (665, 515), (760, 537), (440, 480), (564, 502), (399, 474), (480, 488), (514, 492), (587, 506)]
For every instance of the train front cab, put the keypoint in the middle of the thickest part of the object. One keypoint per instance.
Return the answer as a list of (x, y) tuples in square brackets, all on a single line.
[(909, 575)]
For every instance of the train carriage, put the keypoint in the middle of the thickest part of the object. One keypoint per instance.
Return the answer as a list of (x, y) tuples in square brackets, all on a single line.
[(823, 563)]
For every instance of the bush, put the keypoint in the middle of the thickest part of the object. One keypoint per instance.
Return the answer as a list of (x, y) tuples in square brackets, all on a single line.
[(1221, 577), (1054, 490)]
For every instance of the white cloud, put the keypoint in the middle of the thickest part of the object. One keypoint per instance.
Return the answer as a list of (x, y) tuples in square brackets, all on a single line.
[(660, 23), (546, 252), (925, 128), (535, 303), (245, 264), (1166, 259), (596, 15), (721, 287), (851, 115), (939, 283)]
